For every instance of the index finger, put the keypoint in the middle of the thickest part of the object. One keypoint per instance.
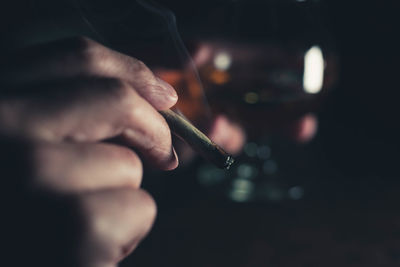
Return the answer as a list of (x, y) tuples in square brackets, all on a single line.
[(80, 56)]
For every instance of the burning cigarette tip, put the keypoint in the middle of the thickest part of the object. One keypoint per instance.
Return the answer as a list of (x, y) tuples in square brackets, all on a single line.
[(197, 140), (229, 161)]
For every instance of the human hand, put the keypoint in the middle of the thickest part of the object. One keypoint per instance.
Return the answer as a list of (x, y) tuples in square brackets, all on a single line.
[(60, 104)]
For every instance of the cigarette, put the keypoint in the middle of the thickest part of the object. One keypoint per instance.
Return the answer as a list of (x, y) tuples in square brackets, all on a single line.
[(197, 140)]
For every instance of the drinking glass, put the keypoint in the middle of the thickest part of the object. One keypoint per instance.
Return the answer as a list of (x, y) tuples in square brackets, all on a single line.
[(269, 66)]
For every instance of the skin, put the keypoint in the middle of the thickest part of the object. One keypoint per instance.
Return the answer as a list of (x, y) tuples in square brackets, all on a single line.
[(76, 121), (62, 104)]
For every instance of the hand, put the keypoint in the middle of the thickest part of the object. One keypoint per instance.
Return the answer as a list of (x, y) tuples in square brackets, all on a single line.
[(60, 104)]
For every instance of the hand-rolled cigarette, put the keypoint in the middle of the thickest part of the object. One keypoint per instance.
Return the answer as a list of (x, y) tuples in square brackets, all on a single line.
[(197, 140)]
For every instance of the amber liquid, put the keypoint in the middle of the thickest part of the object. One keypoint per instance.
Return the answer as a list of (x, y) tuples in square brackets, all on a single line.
[(261, 89)]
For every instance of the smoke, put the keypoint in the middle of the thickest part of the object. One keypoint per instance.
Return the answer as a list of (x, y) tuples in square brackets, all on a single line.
[(115, 16), (170, 20)]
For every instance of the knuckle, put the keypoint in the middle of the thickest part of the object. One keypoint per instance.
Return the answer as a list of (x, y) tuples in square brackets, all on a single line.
[(134, 167), (139, 65), (122, 94), (85, 52), (142, 71), (135, 109), (134, 210), (143, 203), (120, 89), (149, 209)]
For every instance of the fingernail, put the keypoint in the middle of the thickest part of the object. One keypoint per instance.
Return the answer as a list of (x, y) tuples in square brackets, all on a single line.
[(169, 90), (176, 155), (160, 99), (161, 95), (175, 160)]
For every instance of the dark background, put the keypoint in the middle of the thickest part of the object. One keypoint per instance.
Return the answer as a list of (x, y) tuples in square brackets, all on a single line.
[(351, 218)]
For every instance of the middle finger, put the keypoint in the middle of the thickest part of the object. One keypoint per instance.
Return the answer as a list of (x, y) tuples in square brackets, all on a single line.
[(91, 111)]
